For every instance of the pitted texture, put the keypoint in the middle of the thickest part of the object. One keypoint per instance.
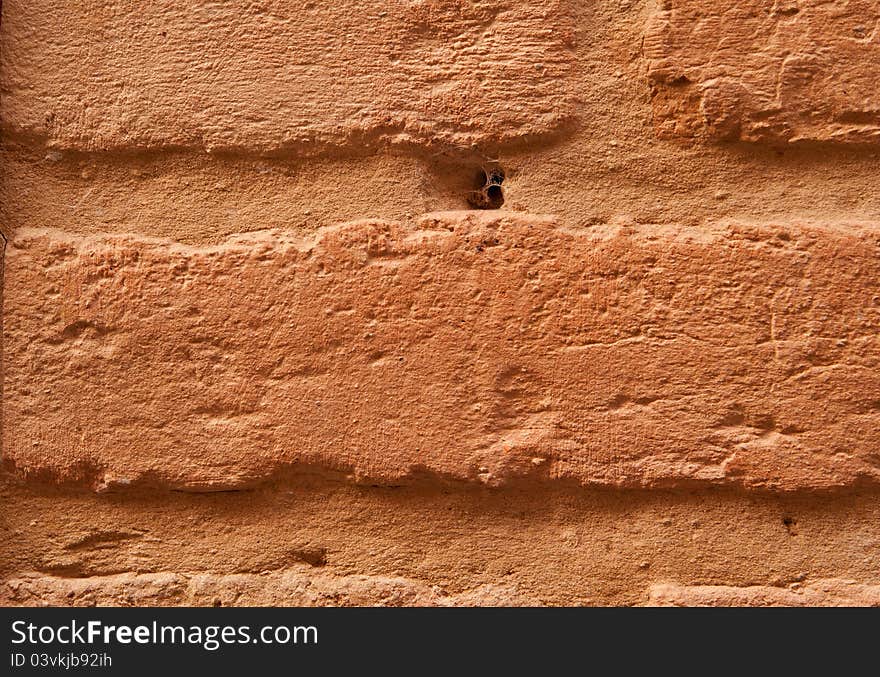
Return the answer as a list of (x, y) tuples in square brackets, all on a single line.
[(282, 75), (285, 588), (663, 392), (778, 71), (483, 348), (831, 592)]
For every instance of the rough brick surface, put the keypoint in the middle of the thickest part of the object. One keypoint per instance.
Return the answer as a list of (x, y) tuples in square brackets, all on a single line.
[(542, 543), (484, 348), (284, 75), (287, 588), (770, 71), (646, 374), (812, 593)]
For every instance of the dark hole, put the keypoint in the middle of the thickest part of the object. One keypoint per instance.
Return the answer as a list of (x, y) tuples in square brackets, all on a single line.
[(487, 193)]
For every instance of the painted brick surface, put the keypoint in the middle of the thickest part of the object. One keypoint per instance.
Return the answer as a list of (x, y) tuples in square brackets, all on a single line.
[(440, 302)]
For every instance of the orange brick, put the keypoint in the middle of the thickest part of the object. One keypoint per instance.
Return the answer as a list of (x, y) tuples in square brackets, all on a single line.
[(775, 72), (285, 76), (485, 348)]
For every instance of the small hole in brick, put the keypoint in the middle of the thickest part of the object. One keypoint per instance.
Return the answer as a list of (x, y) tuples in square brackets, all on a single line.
[(487, 193)]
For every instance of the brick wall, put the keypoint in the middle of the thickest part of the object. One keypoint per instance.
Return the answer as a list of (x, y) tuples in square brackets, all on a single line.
[(440, 302)]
